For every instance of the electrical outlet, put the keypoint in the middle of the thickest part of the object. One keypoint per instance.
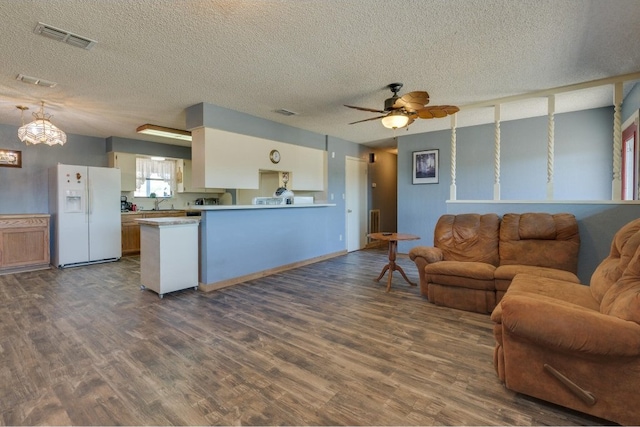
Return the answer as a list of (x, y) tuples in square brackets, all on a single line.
[(341, 237)]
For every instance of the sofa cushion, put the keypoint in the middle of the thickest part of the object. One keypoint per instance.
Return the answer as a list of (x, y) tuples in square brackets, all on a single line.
[(623, 298), (623, 247), (558, 291), (540, 239), (504, 274), (468, 237), (467, 274)]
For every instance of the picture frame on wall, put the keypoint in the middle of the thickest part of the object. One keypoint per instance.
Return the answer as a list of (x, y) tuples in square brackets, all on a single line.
[(426, 167), (10, 158)]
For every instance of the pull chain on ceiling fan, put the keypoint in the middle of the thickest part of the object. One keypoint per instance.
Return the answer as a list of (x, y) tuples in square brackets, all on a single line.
[(401, 111)]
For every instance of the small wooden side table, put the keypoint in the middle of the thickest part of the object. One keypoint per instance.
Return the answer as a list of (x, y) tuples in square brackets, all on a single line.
[(393, 239)]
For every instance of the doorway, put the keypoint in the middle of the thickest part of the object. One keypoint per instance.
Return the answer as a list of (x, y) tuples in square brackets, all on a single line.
[(630, 158), (356, 203)]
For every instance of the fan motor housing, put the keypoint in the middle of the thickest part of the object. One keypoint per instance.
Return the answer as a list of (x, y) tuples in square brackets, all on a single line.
[(389, 103)]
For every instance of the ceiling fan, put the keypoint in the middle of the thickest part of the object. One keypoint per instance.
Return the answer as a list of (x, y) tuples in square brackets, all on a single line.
[(401, 111)]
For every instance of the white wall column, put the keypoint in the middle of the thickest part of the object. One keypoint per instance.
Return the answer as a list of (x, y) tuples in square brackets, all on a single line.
[(496, 156), (550, 145), (452, 188), (616, 184)]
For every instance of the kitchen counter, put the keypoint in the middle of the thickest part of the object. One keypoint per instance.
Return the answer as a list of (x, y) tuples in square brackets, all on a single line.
[(159, 222), (240, 207)]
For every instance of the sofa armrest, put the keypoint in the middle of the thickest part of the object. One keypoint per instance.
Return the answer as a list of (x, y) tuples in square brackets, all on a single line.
[(567, 328), (422, 256), (428, 253)]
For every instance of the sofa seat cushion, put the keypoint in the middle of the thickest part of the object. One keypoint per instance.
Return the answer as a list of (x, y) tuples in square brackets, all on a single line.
[(505, 273), (467, 274), (552, 290)]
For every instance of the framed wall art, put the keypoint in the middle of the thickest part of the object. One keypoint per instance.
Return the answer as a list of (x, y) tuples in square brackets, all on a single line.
[(425, 167), (10, 158)]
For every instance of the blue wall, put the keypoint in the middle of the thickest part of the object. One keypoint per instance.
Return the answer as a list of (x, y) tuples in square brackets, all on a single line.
[(26, 189), (583, 166)]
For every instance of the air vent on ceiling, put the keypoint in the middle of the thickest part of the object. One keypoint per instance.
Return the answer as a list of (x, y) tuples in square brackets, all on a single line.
[(285, 112), (64, 36), (35, 81)]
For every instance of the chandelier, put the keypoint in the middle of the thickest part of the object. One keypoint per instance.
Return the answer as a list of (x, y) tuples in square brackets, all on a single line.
[(41, 130)]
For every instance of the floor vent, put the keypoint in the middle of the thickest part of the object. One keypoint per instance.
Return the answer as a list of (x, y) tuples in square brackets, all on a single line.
[(64, 36), (374, 221)]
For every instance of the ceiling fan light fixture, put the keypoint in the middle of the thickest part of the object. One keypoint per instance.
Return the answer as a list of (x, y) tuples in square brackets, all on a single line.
[(395, 120), (41, 130), (148, 129)]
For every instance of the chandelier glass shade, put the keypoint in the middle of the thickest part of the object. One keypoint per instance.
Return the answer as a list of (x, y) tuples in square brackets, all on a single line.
[(41, 130), (395, 120)]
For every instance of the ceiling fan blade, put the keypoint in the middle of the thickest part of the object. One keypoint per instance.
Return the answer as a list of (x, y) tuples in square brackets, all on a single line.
[(412, 101), (372, 110), (366, 120), (437, 111)]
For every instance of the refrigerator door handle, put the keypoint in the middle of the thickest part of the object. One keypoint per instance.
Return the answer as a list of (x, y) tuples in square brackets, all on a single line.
[(89, 200)]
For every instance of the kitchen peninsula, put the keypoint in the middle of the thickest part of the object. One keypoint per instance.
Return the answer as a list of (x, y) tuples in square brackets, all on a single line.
[(244, 242)]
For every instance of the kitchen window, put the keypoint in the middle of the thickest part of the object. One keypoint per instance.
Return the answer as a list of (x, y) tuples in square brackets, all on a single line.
[(155, 177)]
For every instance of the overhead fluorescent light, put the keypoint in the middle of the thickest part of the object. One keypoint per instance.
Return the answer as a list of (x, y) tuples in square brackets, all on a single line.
[(156, 130), (35, 81)]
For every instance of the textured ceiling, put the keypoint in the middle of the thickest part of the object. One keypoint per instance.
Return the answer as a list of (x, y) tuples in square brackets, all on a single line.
[(154, 58)]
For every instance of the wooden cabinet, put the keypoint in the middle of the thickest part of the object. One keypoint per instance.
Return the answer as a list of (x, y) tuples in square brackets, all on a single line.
[(183, 170), (130, 234), (126, 162), (24, 242), (131, 228)]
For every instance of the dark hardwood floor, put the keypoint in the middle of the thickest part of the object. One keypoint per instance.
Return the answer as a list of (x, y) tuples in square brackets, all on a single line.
[(318, 345)]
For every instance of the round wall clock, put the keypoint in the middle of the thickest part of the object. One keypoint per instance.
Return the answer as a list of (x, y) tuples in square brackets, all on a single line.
[(274, 156)]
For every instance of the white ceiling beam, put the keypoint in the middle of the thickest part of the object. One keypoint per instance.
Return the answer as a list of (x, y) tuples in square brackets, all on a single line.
[(553, 91)]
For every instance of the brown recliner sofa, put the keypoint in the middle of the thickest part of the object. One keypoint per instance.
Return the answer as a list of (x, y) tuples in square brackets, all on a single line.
[(574, 345), (475, 257)]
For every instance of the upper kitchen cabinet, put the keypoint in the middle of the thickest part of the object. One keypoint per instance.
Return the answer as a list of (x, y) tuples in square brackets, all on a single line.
[(183, 178), (126, 162), (230, 160)]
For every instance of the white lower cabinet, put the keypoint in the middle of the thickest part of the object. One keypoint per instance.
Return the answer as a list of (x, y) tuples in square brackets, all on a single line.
[(168, 254)]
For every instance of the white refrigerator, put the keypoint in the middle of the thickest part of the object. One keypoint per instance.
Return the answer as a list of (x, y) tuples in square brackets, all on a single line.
[(84, 203)]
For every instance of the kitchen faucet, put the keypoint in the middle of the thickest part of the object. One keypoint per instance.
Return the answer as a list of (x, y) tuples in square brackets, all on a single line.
[(156, 203)]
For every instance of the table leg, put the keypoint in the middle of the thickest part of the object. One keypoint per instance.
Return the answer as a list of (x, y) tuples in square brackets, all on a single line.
[(392, 266), (393, 249)]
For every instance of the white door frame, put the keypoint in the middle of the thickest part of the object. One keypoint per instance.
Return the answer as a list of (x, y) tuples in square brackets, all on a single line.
[(630, 160)]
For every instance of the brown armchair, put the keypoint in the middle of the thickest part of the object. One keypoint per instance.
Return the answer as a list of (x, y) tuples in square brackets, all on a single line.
[(458, 271), (574, 345)]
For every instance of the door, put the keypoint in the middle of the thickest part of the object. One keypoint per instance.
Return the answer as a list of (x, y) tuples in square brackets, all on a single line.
[(105, 234), (356, 203), (630, 158)]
